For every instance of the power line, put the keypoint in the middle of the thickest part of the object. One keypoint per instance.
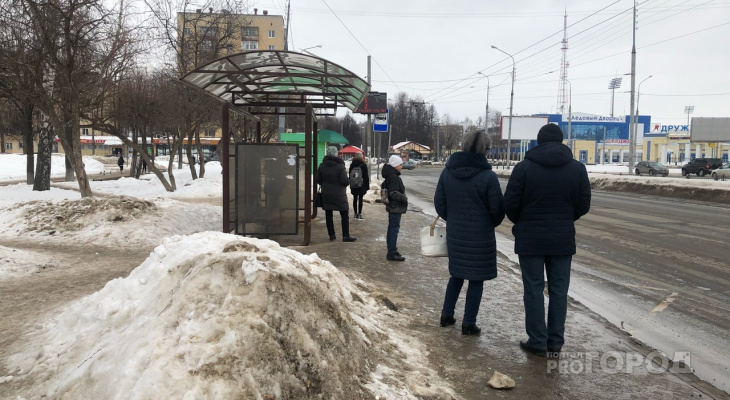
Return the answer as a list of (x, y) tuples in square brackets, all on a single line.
[(361, 45)]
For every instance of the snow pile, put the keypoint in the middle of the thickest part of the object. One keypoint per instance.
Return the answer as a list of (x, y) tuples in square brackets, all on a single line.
[(219, 316), (14, 166), (108, 221)]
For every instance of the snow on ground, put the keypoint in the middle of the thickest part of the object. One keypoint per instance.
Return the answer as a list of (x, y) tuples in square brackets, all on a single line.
[(207, 315), (12, 166), (220, 316)]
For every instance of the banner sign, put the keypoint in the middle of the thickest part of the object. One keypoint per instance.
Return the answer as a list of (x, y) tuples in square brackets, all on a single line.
[(597, 118)]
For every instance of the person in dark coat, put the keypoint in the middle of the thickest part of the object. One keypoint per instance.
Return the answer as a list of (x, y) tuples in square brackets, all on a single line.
[(358, 193), (334, 180), (545, 195), (397, 204), (120, 163), (469, 198)]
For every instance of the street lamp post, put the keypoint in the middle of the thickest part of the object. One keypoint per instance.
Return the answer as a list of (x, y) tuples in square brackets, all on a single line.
[(636, 118), (486, 115), (511, 103)]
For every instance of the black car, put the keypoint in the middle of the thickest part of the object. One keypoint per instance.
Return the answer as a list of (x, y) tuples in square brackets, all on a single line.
[(652, 168), (701, 166)]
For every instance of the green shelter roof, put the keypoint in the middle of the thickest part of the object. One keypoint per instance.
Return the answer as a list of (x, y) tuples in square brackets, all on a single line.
[(279, 79)]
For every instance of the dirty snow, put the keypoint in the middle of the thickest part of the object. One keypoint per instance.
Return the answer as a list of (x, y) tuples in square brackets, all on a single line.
[(207, 315)]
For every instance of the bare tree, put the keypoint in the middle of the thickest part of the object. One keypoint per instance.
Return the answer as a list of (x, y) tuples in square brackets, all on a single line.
[(83, 43)]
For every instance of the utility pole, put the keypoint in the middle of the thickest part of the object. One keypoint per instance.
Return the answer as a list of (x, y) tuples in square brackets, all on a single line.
[(369, 130), (282, 110), (632, 130)]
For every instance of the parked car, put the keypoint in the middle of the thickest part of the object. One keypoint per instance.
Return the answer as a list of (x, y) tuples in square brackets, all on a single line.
[(652, 168), (722, 172), (409, 164), (701, 166)]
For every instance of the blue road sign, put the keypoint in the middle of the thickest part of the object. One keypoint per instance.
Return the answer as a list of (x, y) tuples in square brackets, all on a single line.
[(381, 122)]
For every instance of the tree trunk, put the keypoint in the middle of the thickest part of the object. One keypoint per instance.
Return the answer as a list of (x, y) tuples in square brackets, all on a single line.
[(189, 150), (43, 168), (27, 129), (201, 154), (69, 166)]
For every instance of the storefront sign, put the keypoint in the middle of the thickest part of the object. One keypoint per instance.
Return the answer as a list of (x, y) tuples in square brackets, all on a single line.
[(659, 128), (597, 118), (617, 141)]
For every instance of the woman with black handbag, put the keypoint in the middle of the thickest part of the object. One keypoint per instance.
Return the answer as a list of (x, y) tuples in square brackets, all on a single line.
[(469, 198), (333, 180)]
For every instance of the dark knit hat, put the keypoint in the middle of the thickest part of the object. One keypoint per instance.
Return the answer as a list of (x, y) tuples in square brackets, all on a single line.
[(550, 133)]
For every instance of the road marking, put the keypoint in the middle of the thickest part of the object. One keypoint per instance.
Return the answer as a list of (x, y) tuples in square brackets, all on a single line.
[(665, 303)]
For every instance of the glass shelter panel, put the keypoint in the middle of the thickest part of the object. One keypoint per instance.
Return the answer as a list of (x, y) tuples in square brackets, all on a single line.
[(267, 194)]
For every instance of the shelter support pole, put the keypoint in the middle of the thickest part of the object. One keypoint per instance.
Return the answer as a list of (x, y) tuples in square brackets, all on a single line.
[(258, 131), (308, 174), (225, 138)]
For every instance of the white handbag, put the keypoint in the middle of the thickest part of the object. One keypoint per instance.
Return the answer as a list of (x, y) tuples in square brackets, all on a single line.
[(433, 240)]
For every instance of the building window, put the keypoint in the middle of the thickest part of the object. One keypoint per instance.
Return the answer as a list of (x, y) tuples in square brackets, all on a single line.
[(8, 146), (271, 34), (210, 31), (85, 131), (249, 45), (271, 47), (186, 31), (249, 32), (229, 48), (20, 145)]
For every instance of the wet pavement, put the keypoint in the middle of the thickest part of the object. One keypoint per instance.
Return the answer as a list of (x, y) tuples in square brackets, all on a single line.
[(599, 359)]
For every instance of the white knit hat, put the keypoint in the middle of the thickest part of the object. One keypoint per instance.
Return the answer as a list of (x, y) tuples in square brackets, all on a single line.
[(395, 161)]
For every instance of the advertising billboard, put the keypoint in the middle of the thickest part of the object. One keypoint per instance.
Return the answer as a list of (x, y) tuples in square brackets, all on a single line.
[(710, 130), (524, 128)]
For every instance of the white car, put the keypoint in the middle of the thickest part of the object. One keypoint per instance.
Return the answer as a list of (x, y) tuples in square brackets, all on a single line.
[(722, 173)]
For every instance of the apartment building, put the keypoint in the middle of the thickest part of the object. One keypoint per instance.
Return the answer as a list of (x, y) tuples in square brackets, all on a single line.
[(205, 35)]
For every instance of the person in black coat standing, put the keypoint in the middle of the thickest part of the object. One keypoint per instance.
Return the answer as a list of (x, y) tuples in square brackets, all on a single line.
[(469, 198), (397, 204), (358, 193), (545, 195), (332, 177), (120, 163)]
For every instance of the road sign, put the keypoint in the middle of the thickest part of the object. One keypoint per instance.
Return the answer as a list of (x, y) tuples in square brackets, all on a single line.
[(381, 122)]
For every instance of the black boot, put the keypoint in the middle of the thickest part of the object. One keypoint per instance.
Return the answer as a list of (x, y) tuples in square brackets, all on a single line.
[(349, 239), (395, 257), (447, 320), (470, 329), (534, 350), (333, 237)]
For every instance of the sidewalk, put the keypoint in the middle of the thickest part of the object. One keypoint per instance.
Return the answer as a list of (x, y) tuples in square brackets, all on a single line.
[(417, 285)]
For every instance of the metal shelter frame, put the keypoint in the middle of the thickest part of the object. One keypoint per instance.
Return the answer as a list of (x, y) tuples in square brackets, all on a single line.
[(264, 83)]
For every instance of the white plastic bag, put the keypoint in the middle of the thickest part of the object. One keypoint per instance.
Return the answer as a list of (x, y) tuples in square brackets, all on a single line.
[(433, 240)]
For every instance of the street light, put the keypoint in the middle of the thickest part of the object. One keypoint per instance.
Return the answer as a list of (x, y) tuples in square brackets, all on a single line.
[(304, 50), (511, 102), (486, 121), (636, 121), (613, 85)]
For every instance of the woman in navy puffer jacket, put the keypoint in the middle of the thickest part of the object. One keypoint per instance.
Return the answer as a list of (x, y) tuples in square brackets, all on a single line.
[(468, 197)]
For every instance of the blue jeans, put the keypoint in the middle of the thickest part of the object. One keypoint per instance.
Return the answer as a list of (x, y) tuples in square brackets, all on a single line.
[(391, 239), (473, 299), (557, 269)]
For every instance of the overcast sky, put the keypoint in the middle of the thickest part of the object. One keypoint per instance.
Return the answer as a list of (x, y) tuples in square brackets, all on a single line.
[(434, 49)]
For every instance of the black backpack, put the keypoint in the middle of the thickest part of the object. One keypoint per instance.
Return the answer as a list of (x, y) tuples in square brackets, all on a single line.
[(356, 180)]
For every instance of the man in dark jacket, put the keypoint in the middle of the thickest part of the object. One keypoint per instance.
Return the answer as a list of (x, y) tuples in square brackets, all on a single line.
[(332, 177), (397, 204), (546, 194)]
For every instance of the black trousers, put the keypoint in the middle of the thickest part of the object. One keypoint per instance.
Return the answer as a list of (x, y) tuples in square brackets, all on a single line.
[(357, 203), (344, 215)]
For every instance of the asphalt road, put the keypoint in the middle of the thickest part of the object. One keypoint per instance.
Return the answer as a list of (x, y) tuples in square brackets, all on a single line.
[(657, 267)]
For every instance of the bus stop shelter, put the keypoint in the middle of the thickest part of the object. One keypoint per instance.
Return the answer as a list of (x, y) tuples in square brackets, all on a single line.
[(273, 82)]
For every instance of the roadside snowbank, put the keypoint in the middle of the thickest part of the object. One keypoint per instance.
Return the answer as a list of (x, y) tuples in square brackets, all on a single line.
[(220, 316)]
